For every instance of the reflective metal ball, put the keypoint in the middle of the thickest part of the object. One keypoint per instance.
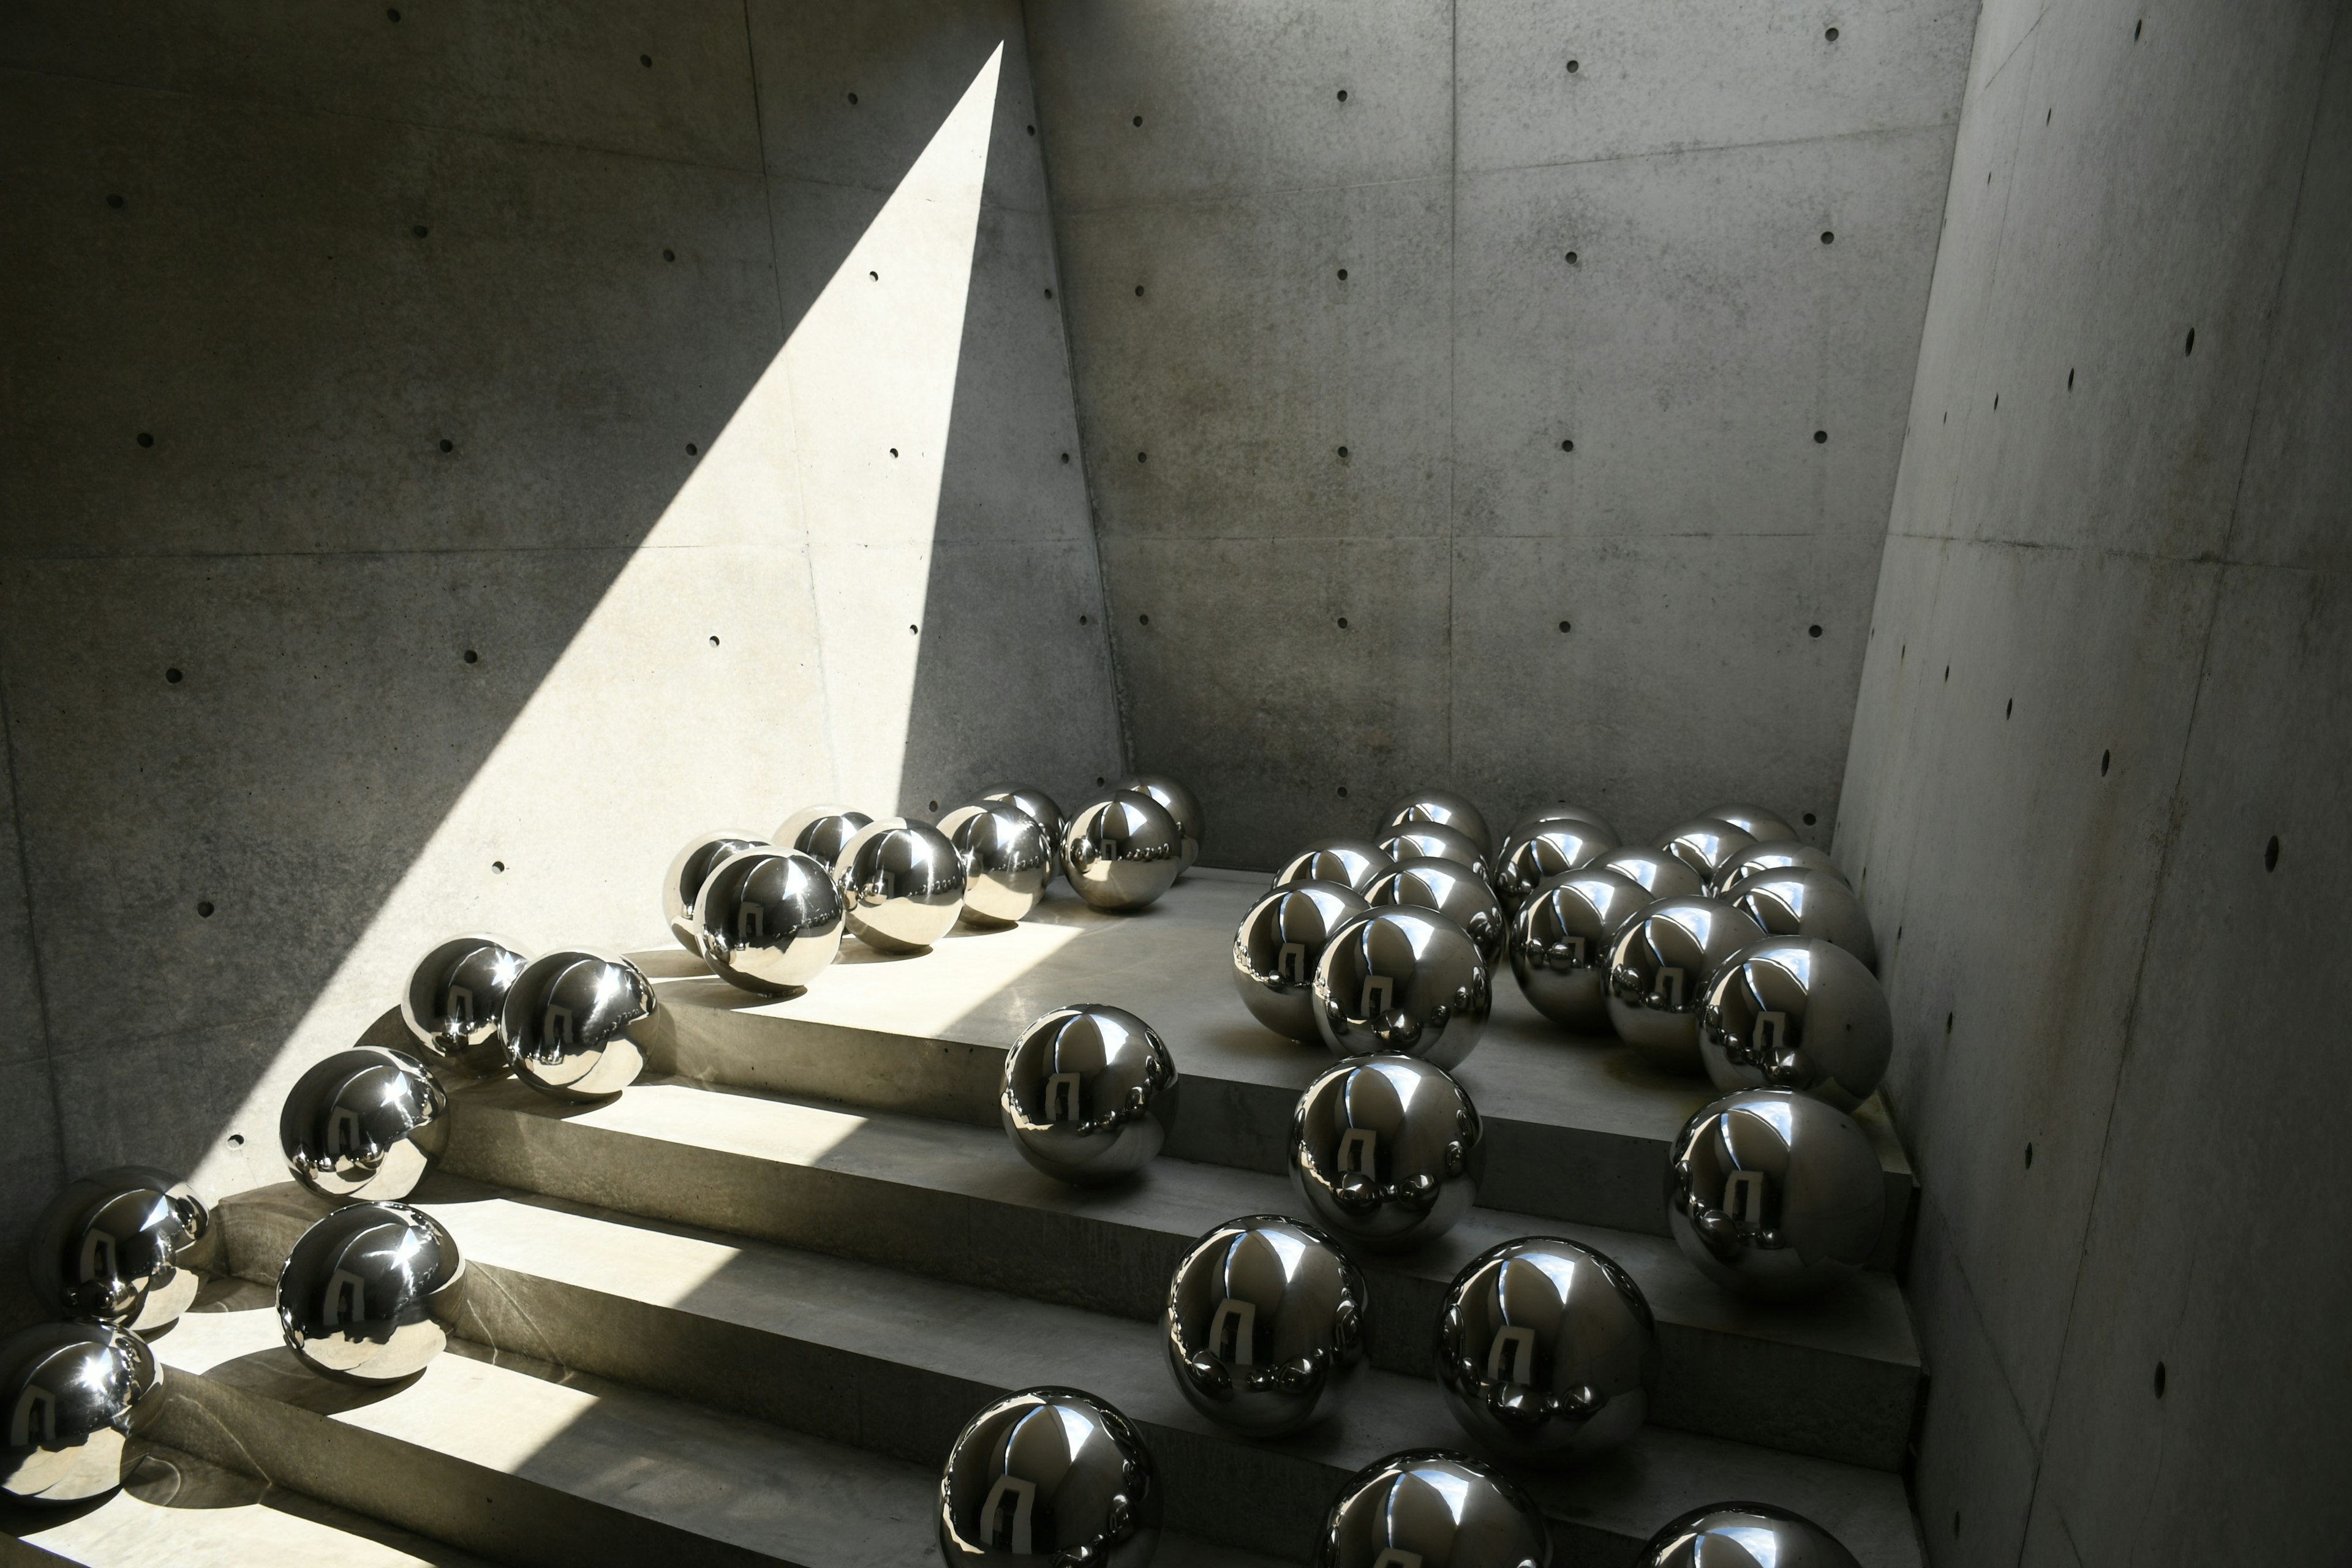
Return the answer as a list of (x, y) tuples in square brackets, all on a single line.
[(1565, 812), (119, 1246), (1007, 858), (1351, 863), (1796, 901), (1123, 852), (1773, 855), (452, 1002), (1387, 1151), (370, 1292), (1705, 845), (1036, 802), (1744, 1535), (1774, 1193), (1547, 1352), (367, 1123), (576, 1024), (1264, 1325), (1796, 1012), (1658, 971), (1406, 980), (1088, 1093), (1546, 850), (1754, 821), (771, 919), (1560, 945), (1451, 890), (1049, 1476), (1276, 947), (73, 1393), (1177, 801), (901, 885), (1443, 808), (1438, 842), (1427, 1506), (687, 870), (819, 832), (1664, 876)]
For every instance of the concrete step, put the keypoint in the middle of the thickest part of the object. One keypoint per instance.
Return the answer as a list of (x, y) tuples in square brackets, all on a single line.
[(876, 1359), (1835, 1378), (1577, 1127)]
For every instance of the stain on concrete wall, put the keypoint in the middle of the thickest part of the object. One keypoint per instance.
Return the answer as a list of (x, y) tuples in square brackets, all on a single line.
[(2091, 787)]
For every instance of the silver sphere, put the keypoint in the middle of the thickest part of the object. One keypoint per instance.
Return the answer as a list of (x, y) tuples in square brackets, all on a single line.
[(819, 832), (1123, 852), (1007, 858), (452, 1002), (1774, 1193), (1664, 876), (1264, 1325), (118, 1247), (687, 870), (1040, 807), (1547, 1352), (1705, 845), (1436, 841), (367, 1123), (901, 885), (1406, 980), (1754, 821), (74, 1393), (1744, 1535), (771, 919), (370, 1292), (1430, 1506), (1177, 801), (1089, 1094), (1278, 946), (1565, 812), (1049, 1476), (1442, 808), (1561, 940), (1546, 850), (1387, 1151), (1796, 1012), (1351, 863), (1795, 901), (1773, 855), (576, 1023), (1450, 889), (1658, 971)]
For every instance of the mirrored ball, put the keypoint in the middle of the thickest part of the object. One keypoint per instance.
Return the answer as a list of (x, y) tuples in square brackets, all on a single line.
[(368, 1122), (452, 1001), (1448, 887), (901, 885), (819, 832), (1773, 855), (1705, 845), (1427, 1506), (1351, 863), (1660, 873), (1049, 1476), (1179, 803), (1122, 852), (1797, 1013), (683, 884), (370, 1292), (771, 919), (76, 1393), (1264, 1325), (1774, 1193), (1439, 842), (1035, 802), (1276, 948), (577, 1022), (1804, 901), (1007, 858), (1386, 1151), (1560, 945), (1741, 1534), (1403, 979), (1442, 808), (119, 1246), (1564, 812), (1548, 850), (1658, 971), (1089, 1094), (1754, 821)]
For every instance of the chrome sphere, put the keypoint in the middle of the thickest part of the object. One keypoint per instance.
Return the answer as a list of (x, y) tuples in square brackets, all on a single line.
[(1774, 1193), (1442, 808), (1088, 1093), (1754, 821), (370, 1292), (771, 919), (118, 1247), (1566, 813), (901, 885), (1659, 873), (687, 870), (1796, 1012), (1177, 801), (1264, 1325), (1448, 887), (1658, 971), (1437, 842), (1547, 1352), (1744, 1535), (1548, 850), (819, 832), (1049, 1476), (1427, 1506), (576, 1023), (367, 1123), (1406, 980), (1123, 852), (1007, 858), (1806, 902), (1705, 845), (1773, 855), (1034, 802), (1276, 948), (1387, 1151), (452, 1003), (1560, 945), (74, 1393), (1351, 863)]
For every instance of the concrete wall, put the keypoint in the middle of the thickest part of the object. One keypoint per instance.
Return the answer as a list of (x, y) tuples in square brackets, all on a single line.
[(1340, 531), (2095, 783), (457, 452)]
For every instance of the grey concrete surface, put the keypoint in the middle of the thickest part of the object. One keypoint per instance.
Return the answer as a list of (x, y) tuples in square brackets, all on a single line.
[(1205, 156), (2106, 675)]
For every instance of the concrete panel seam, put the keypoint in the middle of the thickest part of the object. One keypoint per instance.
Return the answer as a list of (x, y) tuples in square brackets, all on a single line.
[(32, 933), (2022, 40)]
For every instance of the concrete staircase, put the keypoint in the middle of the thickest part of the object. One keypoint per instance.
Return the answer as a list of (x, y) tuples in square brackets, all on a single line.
[(738, 1313)]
